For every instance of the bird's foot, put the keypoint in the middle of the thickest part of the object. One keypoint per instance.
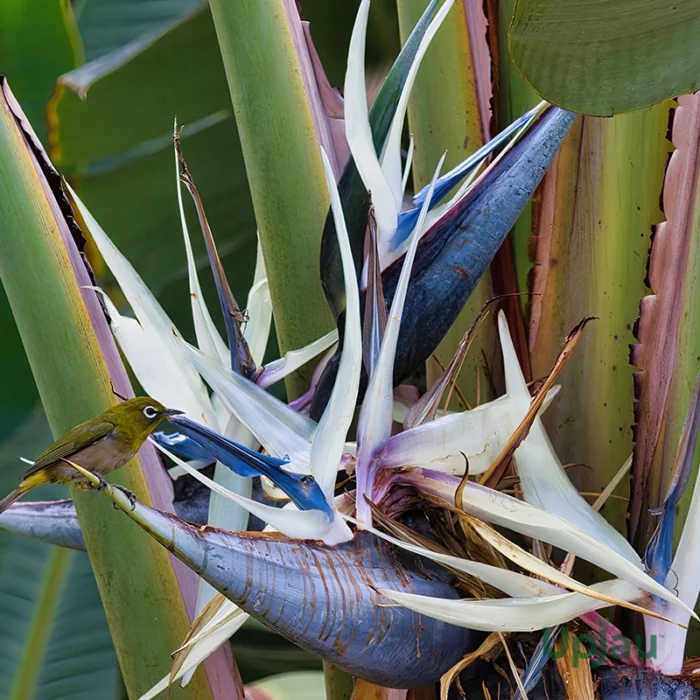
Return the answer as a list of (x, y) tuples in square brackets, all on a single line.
[(99, 487), (130, 496)]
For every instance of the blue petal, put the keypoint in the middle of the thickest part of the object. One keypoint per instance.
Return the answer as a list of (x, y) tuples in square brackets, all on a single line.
[(407, 219), (302, 489), (659, 554), (182, 446)]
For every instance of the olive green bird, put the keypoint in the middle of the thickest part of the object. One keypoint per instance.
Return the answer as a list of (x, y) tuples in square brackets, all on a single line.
[(100, 445)]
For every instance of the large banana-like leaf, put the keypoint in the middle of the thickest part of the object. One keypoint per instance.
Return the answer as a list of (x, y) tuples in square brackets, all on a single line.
[(34, 53), (116, 145), (107, 25), (603, 58), (55, 642)]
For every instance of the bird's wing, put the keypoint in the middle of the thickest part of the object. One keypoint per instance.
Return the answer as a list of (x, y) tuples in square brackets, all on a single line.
[(72, 442)]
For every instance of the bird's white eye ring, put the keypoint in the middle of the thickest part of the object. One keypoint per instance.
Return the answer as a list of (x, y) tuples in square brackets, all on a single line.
[(150, 412)]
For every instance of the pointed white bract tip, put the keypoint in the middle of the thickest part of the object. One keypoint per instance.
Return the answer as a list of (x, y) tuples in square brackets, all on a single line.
[(358, 132), (516, 386), (544, 482), (339, 531), (391, 158), (514, 614)]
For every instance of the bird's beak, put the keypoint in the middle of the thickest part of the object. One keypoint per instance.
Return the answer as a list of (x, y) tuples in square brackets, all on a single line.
[(171, 412)]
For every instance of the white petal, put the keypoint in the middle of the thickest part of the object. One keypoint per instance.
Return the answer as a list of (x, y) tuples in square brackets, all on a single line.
[(514, 614), (208, 338), (543, 480), (293, 359), (510, 582), (535, 565), (505, 511), (183, 390), (158, 370), (259, 310), (358, 132), (684, 577), (329, 442), (407, 166), (480, 434), (277, 427), (374, 424)]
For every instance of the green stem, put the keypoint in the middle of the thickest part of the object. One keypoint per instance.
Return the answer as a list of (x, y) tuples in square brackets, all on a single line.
[(444, 115), (515, 97), (38, 266), (283, 162)]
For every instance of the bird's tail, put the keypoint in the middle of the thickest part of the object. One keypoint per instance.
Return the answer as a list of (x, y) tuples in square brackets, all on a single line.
[(12, 497)]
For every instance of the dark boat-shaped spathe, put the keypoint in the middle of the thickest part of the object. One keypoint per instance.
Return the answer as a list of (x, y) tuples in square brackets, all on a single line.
[(324, 599)]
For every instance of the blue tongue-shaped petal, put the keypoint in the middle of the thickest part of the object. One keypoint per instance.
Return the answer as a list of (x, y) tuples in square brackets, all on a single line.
[(182, 446), (407, 219), (302, 489)]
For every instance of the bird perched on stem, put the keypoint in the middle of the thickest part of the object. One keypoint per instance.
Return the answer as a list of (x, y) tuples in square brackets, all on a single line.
[(100, 445)]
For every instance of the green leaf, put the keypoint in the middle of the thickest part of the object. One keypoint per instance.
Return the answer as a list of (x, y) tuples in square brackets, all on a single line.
[(118, 145), (130, 97), (38, 42), (55, 642), (603, 58), (290, 686), (107, 25)]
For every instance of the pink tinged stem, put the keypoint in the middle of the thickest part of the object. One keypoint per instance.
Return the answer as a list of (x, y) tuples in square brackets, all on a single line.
[(218, 666), (477, 25), (324, 110)]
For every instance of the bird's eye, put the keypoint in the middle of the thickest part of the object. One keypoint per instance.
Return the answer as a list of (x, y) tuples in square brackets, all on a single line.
[(150, 412), (307, 480)]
